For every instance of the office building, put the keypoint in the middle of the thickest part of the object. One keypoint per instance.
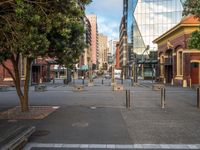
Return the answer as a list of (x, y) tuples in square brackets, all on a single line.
[(103, 48), (94, 38), (145, 20), (179, 65)]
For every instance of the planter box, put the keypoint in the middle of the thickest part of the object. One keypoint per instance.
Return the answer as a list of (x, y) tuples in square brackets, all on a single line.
[(118, 87), (78, 88), (40, 88), (90, 84), (157, 87)]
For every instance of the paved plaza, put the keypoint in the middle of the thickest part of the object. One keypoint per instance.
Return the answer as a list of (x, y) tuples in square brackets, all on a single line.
[(97, 118)]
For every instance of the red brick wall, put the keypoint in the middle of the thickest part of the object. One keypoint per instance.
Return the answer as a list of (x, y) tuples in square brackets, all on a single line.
[(117, 66), (4, 74)]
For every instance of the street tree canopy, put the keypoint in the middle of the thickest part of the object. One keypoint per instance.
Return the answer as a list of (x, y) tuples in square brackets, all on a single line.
[(192, 7), (39, 28)]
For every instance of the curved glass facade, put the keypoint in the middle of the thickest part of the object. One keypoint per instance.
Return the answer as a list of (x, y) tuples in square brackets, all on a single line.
[(148, 19)]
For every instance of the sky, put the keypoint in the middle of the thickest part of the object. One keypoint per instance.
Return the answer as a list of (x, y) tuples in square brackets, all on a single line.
[(109, 13)]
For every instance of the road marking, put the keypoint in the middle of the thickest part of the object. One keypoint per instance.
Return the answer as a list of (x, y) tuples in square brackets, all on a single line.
[(29, 146)]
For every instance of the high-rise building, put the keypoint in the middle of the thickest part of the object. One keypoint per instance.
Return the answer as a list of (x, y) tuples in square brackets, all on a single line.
[(145, 20), (123, 47), (85, 60), (148, 19), (94, 36), (117, 57), (103, 48)]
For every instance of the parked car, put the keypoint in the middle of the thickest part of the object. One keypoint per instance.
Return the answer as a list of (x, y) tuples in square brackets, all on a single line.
[(107, 76), (94, 76), (117, 74)]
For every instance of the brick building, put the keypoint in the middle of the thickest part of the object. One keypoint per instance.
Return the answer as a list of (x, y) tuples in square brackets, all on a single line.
[(117, 63), (5, 78), (40, 72), (179, 65)]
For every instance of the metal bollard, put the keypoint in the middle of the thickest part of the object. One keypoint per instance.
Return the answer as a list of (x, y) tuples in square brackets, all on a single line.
[(163, 97), (198, 97), (132, 83), (83, 81), (122, 81), (128, 103), (102, 81)]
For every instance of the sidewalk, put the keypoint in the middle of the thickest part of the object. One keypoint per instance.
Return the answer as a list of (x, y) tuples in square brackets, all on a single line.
[(98, 116)]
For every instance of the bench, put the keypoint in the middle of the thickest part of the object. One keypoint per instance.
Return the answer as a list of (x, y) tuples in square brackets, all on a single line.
[(78, 88), (4, 88), (157, 86), (16, 137), (40, 88), (118, 87)]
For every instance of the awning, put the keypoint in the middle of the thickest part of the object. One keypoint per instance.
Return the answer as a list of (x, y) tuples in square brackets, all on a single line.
[(84, 67), (147, 62)]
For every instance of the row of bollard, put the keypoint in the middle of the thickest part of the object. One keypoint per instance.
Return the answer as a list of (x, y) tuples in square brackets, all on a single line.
[(163, 98), (128, 98)]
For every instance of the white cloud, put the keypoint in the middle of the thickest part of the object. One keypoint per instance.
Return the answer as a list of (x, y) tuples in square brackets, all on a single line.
[(109, 13), (108, 27)]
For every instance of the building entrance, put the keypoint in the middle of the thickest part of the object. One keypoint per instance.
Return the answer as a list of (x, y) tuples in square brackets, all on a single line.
[(195, 78)]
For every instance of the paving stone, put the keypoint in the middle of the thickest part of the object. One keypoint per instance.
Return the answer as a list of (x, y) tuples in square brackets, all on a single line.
[(110, 146), (124, 146), (137, 146), (97, 146), (153, 146)]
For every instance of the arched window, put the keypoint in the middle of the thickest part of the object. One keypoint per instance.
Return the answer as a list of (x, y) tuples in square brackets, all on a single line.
[(180, 62)]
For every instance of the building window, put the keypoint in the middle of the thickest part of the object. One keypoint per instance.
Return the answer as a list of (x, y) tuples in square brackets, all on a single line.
[(195, 65), (180, 62)]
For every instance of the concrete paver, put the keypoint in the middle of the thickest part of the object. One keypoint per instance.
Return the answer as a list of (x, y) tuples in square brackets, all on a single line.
[(98, 116)]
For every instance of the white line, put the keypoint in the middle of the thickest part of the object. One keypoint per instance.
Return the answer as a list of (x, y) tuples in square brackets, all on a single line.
[(113, 146)]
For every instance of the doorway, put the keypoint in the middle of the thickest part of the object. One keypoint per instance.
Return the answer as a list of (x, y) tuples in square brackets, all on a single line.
[(194, 73)]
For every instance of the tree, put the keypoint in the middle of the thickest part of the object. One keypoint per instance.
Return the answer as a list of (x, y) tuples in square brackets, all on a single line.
[(39, 28), (191, 7)]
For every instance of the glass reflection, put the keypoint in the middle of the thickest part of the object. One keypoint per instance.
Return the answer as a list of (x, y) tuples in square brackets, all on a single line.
[(148, 19)]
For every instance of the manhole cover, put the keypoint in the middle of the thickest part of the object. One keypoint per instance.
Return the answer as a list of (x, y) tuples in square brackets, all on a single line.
[(41, 133), (80, 124), (93, 107)]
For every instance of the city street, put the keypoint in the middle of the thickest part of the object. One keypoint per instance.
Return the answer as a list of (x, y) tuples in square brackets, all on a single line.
[(99, 74), (98, 116)]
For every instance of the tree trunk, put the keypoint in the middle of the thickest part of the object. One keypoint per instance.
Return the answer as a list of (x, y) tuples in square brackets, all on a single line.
[(15, 63), (25, 99), (17, 78)]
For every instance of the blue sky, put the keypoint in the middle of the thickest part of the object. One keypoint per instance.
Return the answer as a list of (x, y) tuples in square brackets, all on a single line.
[(109, 13)]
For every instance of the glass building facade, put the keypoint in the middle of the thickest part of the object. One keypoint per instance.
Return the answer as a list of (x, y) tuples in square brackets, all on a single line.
[(148, 19)]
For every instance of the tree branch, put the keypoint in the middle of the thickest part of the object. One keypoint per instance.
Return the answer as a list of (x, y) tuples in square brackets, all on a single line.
[(9, 71)]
